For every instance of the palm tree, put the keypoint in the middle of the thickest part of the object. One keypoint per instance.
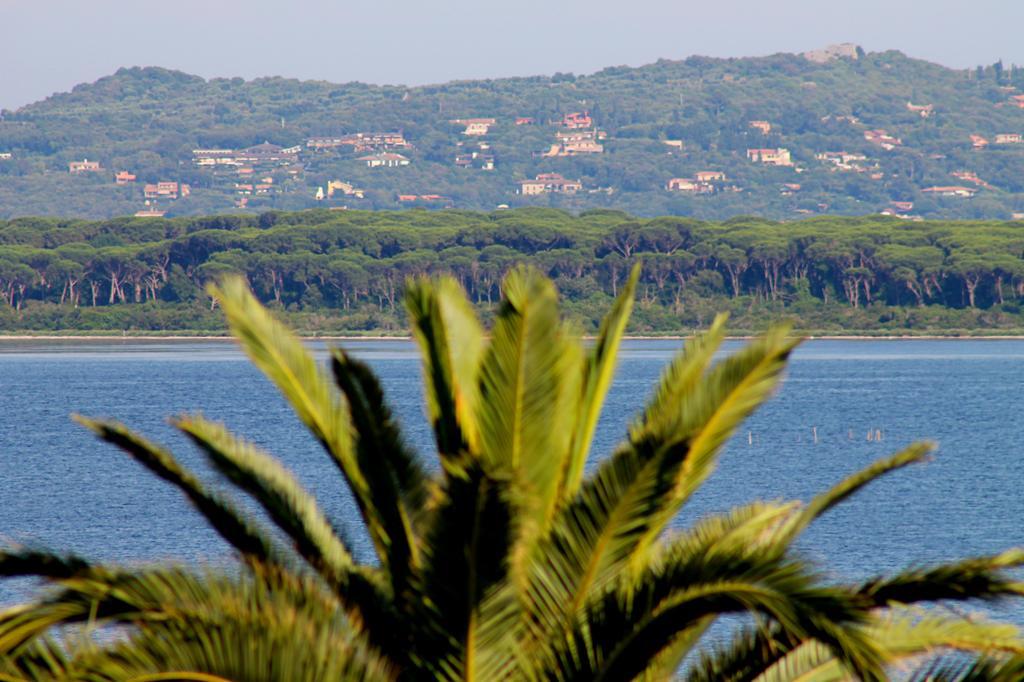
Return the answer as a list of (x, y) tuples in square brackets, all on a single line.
[(511, 561)]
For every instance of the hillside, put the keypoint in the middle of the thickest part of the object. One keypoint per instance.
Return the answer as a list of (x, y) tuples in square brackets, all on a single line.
[(850, 134)]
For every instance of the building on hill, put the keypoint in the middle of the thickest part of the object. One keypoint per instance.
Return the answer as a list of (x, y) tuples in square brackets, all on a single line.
[(770, 157), (166, 190), (475, 126), (6, 156), (214, 157), (831, 52), (84, 166), (524, 121), (384, 160), (978, 142), (1017, 101), (266, 154), (883, 139), (689, 186), (764, 126), (124, 178), (476, 159), (970, 176), (922, 110), (951, 191), (345, 188), (710, 176), (150, 213), (577, 120), (361, 142), (1009, 138), (577, 142), (549, 183)]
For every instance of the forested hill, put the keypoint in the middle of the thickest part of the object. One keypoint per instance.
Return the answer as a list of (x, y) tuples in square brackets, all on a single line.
[(862, 131), (343, 271)]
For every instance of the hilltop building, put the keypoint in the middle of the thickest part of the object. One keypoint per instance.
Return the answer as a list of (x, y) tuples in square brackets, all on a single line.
[(475, 126), (549, 183), (770, 157), (951, 191), (577, 120), (384, 160), (689, 186), (124, 178), (339, 187), (166, 190), (84, 166), (883, 139), (360, 142), (764, 126)]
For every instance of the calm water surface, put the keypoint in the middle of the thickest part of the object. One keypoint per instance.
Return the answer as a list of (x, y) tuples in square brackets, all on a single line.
[(62, 489)]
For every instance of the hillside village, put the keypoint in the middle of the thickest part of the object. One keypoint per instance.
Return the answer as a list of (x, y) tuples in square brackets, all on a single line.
[(915, 157)]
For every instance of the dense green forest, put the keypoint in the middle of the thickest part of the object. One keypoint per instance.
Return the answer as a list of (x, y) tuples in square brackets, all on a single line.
[(343, 271), (148, 122)]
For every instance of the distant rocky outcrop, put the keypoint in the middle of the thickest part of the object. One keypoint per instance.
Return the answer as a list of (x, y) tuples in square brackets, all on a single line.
[(827, 54)]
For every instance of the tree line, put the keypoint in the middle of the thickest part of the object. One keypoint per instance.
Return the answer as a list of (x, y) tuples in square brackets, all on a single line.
[(351, 260)]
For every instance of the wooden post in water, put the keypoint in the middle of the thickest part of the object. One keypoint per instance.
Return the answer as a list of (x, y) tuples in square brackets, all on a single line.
[(871, 435), (750, 438), (814, 430), (878, 435)]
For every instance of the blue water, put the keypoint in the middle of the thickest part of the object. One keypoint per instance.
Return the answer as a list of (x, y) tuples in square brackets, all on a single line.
[(62, 489)]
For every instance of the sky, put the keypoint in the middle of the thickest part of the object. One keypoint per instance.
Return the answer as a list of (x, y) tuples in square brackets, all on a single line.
[(49, 46)]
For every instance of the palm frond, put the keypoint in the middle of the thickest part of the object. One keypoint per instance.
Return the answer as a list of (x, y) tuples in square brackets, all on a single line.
[(451, 342), (529, 382), (617, 634), (706, 416), (599, 370), (287, 503), (466, 562), (974, 578), (280, 355), (913, 454), (242, 534), (622, 509), (396, 482)]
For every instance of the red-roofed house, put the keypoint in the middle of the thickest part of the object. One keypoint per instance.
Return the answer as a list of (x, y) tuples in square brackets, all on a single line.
[(577, 120), (124, 178)]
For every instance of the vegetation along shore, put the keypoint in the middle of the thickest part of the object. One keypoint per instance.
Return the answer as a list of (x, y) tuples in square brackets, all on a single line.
[(340, 273)]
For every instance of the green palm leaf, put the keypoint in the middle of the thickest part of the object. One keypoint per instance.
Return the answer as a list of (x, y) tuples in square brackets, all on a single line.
[(231, 524), (598, 372), (451, 342)]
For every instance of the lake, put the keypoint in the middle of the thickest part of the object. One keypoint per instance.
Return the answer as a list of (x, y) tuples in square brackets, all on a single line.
[(62, 489)]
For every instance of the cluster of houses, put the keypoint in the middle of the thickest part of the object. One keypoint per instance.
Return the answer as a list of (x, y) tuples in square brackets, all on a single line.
[(166, 190), (361, 142), (259, 156), (481, 157), (980, 142), (849, 162)]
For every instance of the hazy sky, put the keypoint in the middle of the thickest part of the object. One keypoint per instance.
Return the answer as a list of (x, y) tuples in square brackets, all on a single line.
[(51, 45)]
